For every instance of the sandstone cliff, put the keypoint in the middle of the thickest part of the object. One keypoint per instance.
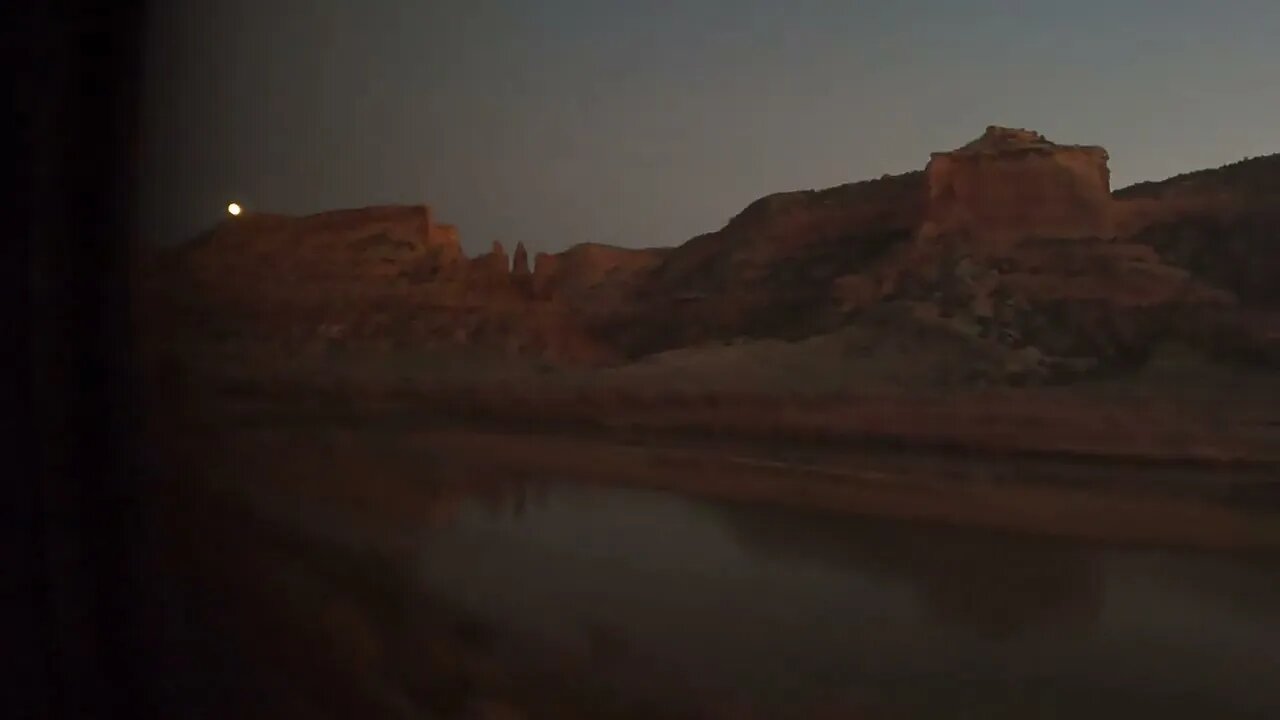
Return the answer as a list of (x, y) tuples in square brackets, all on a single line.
[(1008, 242), (594, 279), (770, 270), (385, 276), (374, 241), (1012, 246), (1018, 249), (1012, 184)]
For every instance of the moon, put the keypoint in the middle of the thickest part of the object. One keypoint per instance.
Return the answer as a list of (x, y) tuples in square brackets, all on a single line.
[(233, 208)]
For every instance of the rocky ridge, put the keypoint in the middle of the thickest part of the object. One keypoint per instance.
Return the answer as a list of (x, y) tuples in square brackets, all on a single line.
[(1012, 245)]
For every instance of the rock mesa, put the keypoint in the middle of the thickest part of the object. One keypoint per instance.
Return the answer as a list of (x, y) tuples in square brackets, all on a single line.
[(1013, 184)]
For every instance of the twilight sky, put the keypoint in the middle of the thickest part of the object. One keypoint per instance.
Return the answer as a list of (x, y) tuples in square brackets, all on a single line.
[(645, 122)]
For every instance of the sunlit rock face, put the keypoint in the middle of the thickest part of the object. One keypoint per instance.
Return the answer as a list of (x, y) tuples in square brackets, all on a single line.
[(382, 276), (492, 268), (1011, 185)]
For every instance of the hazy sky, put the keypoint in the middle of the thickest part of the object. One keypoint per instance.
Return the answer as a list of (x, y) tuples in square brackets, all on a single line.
[(645, 122)]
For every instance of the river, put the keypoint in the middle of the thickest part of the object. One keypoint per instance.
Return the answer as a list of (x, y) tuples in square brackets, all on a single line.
[(776, 608)]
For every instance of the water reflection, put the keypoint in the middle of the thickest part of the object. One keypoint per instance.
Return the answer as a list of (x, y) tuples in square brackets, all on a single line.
[(996, 586), (773, 605), (510, 498)]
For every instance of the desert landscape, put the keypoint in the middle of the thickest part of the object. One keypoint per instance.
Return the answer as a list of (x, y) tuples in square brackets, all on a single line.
[(719, 360), (1003, 302), (1039, 379)]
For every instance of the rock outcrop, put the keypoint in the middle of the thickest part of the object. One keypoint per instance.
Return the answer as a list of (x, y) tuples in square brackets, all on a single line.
[(374, 241), (1018, 249), (385, 276), (769, 272), (596, 280), (520, 261), (1221, 224), (1010, 185), (446, 247), (494, 266), (1012, 246)]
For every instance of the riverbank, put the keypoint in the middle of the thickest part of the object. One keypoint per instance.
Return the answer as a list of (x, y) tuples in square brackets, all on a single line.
[(1102, 508), (1120, 502), (1119, 462), (1053, 423)]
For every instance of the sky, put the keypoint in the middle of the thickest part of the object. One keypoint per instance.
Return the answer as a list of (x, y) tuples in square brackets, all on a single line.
[(646, 122)]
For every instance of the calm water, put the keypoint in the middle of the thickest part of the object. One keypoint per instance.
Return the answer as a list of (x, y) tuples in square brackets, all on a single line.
[(778, 607)]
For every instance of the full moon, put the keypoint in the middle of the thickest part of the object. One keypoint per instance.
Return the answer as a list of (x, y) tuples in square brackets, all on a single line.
[(233, 208)]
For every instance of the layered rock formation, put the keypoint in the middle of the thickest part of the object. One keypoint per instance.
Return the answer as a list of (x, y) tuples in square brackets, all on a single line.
[(596, 280), (1012, 184), (1008, 242), (386, 276), (374, 241), (770, 270), (1018, 247), (1012, 246), (1221, 224)]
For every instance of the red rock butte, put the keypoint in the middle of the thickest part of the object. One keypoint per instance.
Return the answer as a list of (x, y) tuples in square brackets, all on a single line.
[(1013, 184)]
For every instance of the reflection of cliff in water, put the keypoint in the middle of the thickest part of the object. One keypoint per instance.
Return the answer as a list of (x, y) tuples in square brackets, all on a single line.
[(498, 498), (997, 586), (507, 498)]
